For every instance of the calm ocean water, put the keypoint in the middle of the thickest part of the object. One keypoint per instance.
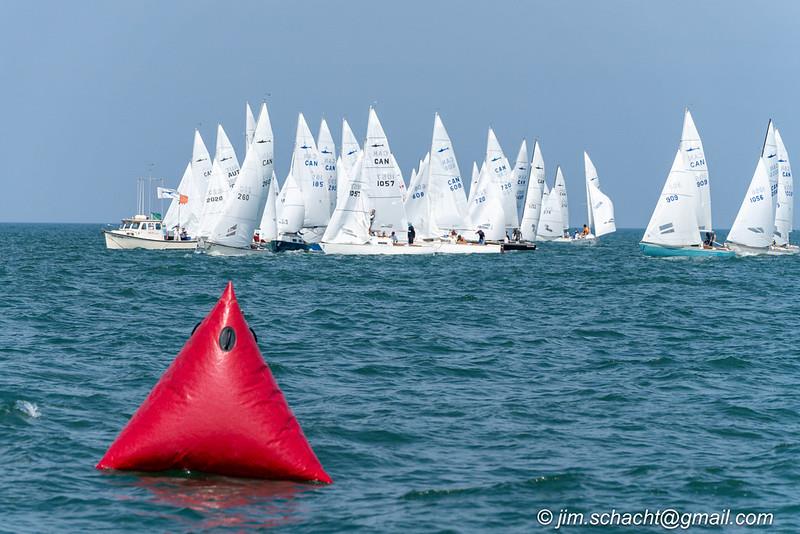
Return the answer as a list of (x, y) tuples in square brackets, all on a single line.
[(440, 393)]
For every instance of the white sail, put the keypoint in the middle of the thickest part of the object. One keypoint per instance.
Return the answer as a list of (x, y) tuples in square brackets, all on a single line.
[(268, 228), (674, 220), (417, 204), (350, 222), (769, 153), (226, 156), (551, 221), (448, 201), (521, 172), (534, 196), (291, 210), (250, 127), (214, 200), (599, 206), (307, 173), (754, 224), (350, 147), (473, 183), (486, 211), (560, 188), (201, 172), (784, 209), (500, 171), (327, 152), (177, 213), (244, 205), (385, 184), (692, 147)]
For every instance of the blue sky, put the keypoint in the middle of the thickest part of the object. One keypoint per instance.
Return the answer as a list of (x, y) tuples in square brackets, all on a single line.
[(94, 92)]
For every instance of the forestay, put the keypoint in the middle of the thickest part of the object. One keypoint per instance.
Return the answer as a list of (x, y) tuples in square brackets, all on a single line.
[(674, 220)]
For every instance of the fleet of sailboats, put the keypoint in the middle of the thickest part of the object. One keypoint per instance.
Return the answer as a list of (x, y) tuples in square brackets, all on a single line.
[(356, 202)]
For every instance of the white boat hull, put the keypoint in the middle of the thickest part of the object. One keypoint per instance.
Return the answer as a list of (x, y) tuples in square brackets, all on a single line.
[(119, 241), (375, 248), (215, 249), (468, 248), (743, 250), (786, 250), (587, 240)]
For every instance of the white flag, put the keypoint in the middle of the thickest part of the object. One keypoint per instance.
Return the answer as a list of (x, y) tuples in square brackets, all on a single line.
[(163, 192)]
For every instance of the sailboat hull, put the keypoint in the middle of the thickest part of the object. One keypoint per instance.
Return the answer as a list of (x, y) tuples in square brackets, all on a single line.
[(649, 249), (783, 250), (215, 249), (469, 248), (375, 249), (744, 250)]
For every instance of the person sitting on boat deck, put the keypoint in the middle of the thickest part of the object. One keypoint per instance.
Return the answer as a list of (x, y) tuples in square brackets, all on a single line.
[(586, 230), (460, 239), (371, 220), (184, 235), (411, 234), (708, 241), (394, 238), (453, 236), (516, 235), (481, 237), (576, 235)]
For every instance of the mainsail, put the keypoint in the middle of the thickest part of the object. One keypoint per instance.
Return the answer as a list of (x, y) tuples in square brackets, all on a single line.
[(327, 151), (500, 172), (226, 157), (521, 172), (384, 181), (599, 206), (784, 216), (244, 205), (692, 147), (534, 196)]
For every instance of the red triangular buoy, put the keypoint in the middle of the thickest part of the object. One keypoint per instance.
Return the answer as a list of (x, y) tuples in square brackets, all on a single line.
[(217, 409)]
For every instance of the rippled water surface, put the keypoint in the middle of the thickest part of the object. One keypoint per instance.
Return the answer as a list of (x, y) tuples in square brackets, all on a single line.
[(441, 393)]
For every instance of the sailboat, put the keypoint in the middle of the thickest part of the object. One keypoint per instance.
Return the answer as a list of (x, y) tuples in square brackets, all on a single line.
[(534, 197), (244, 206), (502, 177), (600, 209), (554, 221), (304, 202), (373, 210), (673, 229), (438, 200), (784, 207), (754, 227)]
